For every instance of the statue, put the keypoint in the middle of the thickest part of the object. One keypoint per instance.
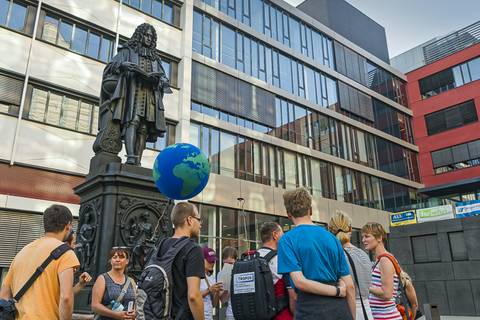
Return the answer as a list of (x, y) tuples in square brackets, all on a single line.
[(86, 236), (131, 106)]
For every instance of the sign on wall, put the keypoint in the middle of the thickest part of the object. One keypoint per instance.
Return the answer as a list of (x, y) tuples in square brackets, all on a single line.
[(435, 213), (403, 218), (467, 208)]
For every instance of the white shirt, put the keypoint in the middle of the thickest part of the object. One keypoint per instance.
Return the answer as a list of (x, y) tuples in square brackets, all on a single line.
[(229, 311), (207, 301), (273, 264)]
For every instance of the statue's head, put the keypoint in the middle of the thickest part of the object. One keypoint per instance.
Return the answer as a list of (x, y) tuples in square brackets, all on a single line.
[(144, 36)]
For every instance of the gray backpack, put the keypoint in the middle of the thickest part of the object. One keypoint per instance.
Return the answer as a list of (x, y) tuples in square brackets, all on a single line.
[(154, 297)]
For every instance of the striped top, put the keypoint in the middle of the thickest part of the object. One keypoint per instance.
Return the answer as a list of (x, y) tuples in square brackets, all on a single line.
[(381, 308)]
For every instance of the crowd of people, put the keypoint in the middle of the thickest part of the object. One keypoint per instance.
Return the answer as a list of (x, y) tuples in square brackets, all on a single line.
[(316, 273)]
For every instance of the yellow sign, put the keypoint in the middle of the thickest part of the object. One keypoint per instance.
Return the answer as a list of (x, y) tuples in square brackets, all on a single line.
[(403, 218)]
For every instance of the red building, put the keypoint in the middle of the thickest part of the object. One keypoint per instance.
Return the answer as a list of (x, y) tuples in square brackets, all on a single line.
[(445, 98)]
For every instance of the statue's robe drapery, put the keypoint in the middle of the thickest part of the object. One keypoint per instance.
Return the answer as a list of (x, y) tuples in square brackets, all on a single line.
[(127, 94)]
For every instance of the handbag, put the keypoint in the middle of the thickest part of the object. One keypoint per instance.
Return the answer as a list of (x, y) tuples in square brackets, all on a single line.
[(8, 311), (122, 293)]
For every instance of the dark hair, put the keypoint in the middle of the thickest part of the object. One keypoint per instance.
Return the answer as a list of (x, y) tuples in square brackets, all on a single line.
[(267, 229), (56, 217), (229, 252), (181, 212), (120, 250), (297, 202)]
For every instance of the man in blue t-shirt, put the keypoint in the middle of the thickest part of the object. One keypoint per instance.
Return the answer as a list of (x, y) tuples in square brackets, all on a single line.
[(315, 261)]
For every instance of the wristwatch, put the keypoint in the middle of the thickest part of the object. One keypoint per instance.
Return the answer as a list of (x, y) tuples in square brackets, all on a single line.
[(338, 291)]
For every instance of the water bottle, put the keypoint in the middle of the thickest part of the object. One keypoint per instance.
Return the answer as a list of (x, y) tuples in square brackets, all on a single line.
[(116, 306)]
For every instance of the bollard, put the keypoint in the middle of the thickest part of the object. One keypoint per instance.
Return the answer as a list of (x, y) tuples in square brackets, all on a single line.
[(431, 312)]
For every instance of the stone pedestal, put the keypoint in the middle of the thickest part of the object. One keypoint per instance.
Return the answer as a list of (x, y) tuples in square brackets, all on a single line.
[(119, 206)]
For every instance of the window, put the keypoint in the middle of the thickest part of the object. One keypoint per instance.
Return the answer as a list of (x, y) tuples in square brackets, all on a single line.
[(279, 25), (247, 159), (10, 94), (425, 248), (457, 157), (165, 141), (14, 15), (450, 78), (450, 118), (77, 38), (164, 10), (59, 109), (248, 55), (458, 246)]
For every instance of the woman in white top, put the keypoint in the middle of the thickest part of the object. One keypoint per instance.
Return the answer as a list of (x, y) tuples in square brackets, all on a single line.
[(210, 290), (341, 226)]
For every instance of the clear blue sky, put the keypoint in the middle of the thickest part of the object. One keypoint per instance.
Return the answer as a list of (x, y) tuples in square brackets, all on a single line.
[(409, 23)]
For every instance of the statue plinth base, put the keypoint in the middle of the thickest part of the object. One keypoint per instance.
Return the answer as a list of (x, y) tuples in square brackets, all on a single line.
[(119, 206)]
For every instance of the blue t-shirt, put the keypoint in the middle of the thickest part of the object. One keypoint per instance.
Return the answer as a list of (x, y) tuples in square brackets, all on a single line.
[(314, 251)]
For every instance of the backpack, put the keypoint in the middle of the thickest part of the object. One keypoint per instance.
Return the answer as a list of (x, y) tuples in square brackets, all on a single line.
[(403, 305), (252, 290), (154, 296)]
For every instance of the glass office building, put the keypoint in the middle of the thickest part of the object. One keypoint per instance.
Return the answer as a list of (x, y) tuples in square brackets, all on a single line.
[(274, 98)]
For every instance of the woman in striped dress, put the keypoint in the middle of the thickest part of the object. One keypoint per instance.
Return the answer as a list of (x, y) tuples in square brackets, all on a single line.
[(383, 290)]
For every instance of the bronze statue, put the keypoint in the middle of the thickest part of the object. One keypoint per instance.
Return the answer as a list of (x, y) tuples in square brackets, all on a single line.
[(131, 106)]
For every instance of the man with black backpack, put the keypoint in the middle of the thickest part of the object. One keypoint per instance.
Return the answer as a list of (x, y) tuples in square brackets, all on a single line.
[(39, 283), (169, 287), (270, 233)]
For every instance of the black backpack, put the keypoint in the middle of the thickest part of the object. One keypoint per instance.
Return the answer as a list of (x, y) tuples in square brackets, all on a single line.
[(154, 296), (253, 293)]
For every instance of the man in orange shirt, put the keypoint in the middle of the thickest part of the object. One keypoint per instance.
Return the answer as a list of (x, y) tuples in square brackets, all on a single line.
[(51, 295)]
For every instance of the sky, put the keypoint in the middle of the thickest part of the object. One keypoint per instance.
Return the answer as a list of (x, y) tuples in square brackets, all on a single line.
[(409, 23)]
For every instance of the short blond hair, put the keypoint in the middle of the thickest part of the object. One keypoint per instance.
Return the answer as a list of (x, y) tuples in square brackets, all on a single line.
[(341, 226), (297, 202), (376, 230)]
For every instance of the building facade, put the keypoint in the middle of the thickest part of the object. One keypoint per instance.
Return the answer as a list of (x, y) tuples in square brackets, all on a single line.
[(444, 95), (273, 97)]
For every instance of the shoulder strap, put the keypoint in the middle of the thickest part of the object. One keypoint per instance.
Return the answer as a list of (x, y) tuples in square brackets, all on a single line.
[(398, 271), (269, 256), (54, 255), (128, 281), (352, 264), (394, 261)]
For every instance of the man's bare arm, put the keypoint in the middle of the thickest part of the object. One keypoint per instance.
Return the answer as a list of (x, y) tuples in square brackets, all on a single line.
[(315, 287), (195, 300), (348, 281), (66, 294)]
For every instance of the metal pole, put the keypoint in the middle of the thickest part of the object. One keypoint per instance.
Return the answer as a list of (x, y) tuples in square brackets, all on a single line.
[(117, 35), (25, 84)]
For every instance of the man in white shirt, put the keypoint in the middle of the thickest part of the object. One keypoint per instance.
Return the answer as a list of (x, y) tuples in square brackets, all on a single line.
[(270, 233)]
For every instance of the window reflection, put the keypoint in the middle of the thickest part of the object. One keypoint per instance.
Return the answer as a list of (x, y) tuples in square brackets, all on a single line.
[(252, 160)]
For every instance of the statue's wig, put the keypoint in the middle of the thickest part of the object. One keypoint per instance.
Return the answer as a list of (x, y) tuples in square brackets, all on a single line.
[(136, 41)]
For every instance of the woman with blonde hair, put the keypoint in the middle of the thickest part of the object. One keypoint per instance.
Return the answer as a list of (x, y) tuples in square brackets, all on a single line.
[(360, 265), (385, 281)]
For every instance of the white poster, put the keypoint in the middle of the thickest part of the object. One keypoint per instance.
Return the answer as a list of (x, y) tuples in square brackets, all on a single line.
[(435, 213), (244, 283)]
